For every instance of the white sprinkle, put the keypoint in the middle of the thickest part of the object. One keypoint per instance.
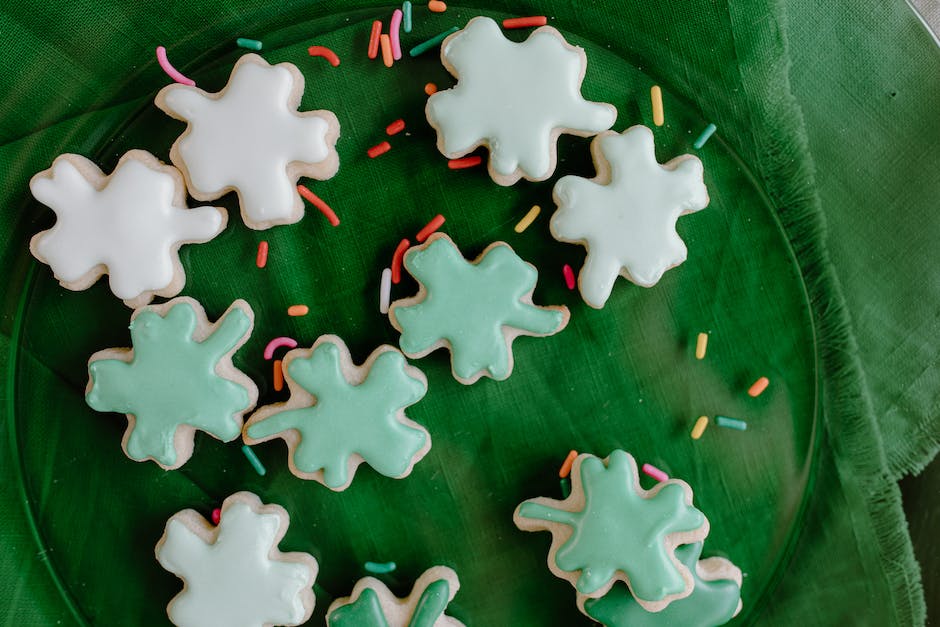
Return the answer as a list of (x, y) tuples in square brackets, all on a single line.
[(385, 291)]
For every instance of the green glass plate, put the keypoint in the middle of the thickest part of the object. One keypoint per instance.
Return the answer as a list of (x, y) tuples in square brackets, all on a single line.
[(623, 377)]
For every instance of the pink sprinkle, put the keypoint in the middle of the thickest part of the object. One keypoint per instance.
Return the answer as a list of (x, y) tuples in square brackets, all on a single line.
[(569, 276), (277, 343), (655, 473), (171, 71), (393, 27), (216, 516)]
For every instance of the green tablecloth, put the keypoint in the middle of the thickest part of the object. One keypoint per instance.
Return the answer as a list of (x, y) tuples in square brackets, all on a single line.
[(834, 105)]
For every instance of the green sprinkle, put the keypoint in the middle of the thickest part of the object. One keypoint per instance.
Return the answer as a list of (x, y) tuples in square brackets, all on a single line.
[(251, 44), (565, 487), (433, 41), (380, 569), (406, 21), (731, 423), (708, 132), (253, 460)]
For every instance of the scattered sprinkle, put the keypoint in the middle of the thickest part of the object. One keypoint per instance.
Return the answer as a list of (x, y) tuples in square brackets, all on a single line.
[(464, 162), (380, 569), (406, 11), (216, 516), (393, 27), (652, 471), (430, 88), (317, 202), (525, 22), (298, 310), (565, 469), (569, 276), (250, 44), (430, 227), (385, 290), (374, 39), (261, 259), (253, 460), (701, 345), (395, 127), (432, 42), (436, 6), (529, 218), (656, 96), (387, 58), (730, 423), (171, 71), (700, 425), (758, 387), (326, 53), (277, 343), (396, 260), (565, 485), (705, 136), (278, 375), (378, 149)]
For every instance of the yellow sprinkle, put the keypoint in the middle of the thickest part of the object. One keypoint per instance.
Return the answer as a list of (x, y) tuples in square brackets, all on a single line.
[(297, 310), (699, 427), (528, 219), (656, 95), (701, 345)]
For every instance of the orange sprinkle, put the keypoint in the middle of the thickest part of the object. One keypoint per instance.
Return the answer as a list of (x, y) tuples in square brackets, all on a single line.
[(374, 39), (326, 53), (430, 227), (436, 6), (278, 376), (758, 387), (396, 260), (430, 88), (395, 127), (262, 259), (386, 44), (525, 22), (566, 466), (298, 310), (317, 202), (378, 149), (465, 162)]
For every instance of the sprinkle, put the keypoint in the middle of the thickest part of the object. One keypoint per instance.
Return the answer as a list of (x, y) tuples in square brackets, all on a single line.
[(326, 53), (385, 290), (253, 460), (430, 89), (277, 343), (569, 276), (298, 310), (395, 127), (317, 202), (278, 376), (380, 569), (758, 387), (171, 71), (701, 345), (261, 259), (393, 27), (251, 44), (430, 227), (432, 42), (397, 259), (406, 10), (216, 516), (700, 425), (465, 162), (652, 471), (374, 39), (525, 22), (436, 6), (378, 149), (565, 469), (386, 44), (528, 219), (730, 423), (565, 485), (656, 95), (705, 136)]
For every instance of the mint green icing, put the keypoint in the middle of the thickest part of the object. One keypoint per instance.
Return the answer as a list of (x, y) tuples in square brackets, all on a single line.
[(366, 611), (172, 381), (620, 530), (711, 603), (349, 419), (431, 605), (468, 305)]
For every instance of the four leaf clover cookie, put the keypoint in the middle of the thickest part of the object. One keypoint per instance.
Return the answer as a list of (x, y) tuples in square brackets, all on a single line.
[(249, 138)]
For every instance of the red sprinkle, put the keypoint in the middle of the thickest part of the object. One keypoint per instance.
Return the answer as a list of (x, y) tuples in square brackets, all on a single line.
[(278, 376), (525, 22), (374, 39), (317, 202), (466, 162), (396, 260), (216, 516), (430, 227), (566, 466), (395, 127), (326, 53), (262, 259), (569, 276), (378, 149)]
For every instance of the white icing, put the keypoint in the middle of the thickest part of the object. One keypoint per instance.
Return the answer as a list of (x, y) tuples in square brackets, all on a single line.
[(515, 97), (246, 136), (233, 582), (132, 225), (626, 217)]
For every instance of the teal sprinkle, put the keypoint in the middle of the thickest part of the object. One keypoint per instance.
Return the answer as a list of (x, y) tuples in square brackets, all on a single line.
[(706, 134), (731, 423), (251, 44), (406, 18), (565, 487), (380, 569), (253, 460), (433, 41)]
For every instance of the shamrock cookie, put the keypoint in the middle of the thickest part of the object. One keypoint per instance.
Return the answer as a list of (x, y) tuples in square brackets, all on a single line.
[(474, 309), (715, 599), (249, 138), (611, 529), (372, 604), (233, 574), (626, 216), (177, 378), (340, 415), (513, 98), (129, 224)]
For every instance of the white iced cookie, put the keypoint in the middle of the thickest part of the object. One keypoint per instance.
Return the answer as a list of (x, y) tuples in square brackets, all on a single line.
[(514, 98), (626, 216), (372, 604), (233, 573), (129, 224), (250, 138)]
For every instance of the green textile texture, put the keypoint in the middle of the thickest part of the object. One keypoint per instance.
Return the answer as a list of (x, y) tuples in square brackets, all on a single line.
[(816, 260)]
